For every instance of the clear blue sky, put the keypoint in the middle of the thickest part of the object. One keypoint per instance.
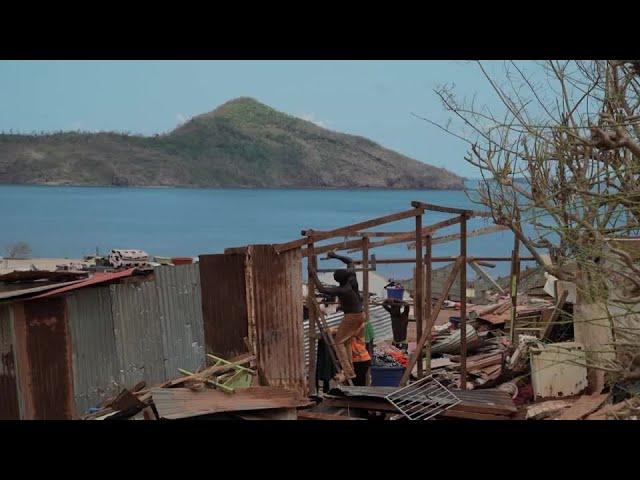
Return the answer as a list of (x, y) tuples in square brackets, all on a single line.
[(374, 99)]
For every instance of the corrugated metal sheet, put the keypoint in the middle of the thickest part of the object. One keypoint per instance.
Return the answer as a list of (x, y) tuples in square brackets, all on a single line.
[(9, 408), (179, 296), (95, 279), (380, 320), (96, 370), (224, 303), (278, 314), (138, 332), (48, 348)]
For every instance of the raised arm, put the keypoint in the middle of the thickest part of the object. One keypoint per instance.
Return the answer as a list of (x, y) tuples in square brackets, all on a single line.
[(344, 259), (333, 291)]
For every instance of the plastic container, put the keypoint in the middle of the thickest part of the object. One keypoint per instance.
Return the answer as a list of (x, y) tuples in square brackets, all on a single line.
[(386, 376), (395, 292)]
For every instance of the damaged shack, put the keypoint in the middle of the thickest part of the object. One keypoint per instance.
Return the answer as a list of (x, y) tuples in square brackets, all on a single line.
[(237, 334)]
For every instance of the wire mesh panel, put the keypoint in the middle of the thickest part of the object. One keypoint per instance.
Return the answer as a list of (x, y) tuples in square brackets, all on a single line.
[(423, 399)]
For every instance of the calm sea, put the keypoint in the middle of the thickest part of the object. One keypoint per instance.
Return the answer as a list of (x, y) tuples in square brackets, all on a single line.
[(74, 221)]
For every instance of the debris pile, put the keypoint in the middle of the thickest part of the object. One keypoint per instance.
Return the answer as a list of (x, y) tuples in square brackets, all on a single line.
[(227, 389)]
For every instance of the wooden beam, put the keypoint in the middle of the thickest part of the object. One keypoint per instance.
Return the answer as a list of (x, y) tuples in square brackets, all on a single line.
[(480, 271), (456, 236), (343, 231), (385, 261), (426, 334), (440, 208), (428, 298), (547, 327), (365, 275), (463, 303), (312, 263), (458, 211), (336, 246), (406, 237), (417, 296)]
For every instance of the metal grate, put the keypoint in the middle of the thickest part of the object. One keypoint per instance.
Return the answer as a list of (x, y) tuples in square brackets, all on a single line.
[(423, 399)]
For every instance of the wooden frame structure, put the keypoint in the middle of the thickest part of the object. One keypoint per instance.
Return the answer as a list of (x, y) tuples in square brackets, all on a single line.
[(422, 239)]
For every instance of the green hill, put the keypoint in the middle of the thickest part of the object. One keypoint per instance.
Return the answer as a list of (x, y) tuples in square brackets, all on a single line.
[(243, 143)]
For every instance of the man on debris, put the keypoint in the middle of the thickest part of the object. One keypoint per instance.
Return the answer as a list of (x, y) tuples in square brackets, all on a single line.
[(399, 321), (350, 339)]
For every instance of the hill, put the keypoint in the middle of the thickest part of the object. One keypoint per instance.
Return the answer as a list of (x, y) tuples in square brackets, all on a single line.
[(242, 143)]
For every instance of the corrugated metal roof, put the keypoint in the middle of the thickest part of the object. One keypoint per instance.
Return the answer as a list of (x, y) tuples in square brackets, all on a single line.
[(17, 292), (95, 279)]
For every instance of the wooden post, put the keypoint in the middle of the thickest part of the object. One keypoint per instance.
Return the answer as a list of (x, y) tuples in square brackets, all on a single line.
[(365, 274), (418, 302), (463, 302), (312, 262), (423, 339), (515, 273), (427, 302)]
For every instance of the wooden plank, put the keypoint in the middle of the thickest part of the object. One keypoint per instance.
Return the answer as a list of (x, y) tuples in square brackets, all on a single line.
[(175, 403), (419, 289), (463, 302), (306, 415), (585, 405), (427, 332), (360, 403), (365, 275), (406, 237), (480, 271), (548, 326), (456, 236), (440, 208), (452, 413), (345, 245), (343, 231), (312, 263)]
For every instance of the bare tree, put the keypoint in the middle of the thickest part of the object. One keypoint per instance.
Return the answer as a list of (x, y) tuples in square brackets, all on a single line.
[(563, 156), (18, 250)]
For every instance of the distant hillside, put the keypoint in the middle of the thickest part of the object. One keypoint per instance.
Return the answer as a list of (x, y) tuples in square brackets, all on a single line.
[(243, 143)]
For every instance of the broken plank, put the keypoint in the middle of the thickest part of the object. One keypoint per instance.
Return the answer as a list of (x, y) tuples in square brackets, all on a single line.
[(584, 406), (381, 405), (175, 403), (452, 413), (305, 415)]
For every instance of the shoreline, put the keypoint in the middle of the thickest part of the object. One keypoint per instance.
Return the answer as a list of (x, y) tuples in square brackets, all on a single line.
[(184, 187)]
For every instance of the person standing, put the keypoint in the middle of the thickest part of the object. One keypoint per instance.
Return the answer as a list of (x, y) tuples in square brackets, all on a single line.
[(350, 338)]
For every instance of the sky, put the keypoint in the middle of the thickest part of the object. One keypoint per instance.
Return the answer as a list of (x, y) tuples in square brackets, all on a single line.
[(374, 99)]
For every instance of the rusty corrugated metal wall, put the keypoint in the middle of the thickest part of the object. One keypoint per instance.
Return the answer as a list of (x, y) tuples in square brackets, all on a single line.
[(278, 314), (224, 303), (179, 296), (47, 344), (9, 407), (96, 370)]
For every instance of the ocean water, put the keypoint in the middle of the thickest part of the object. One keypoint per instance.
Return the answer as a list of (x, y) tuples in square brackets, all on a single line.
[(74, 221)]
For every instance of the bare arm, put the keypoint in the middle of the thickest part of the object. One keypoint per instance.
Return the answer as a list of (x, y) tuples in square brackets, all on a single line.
[(344, 259), (333, 291)]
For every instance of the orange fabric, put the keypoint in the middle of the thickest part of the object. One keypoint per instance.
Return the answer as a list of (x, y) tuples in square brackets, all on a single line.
[(359, 352)]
